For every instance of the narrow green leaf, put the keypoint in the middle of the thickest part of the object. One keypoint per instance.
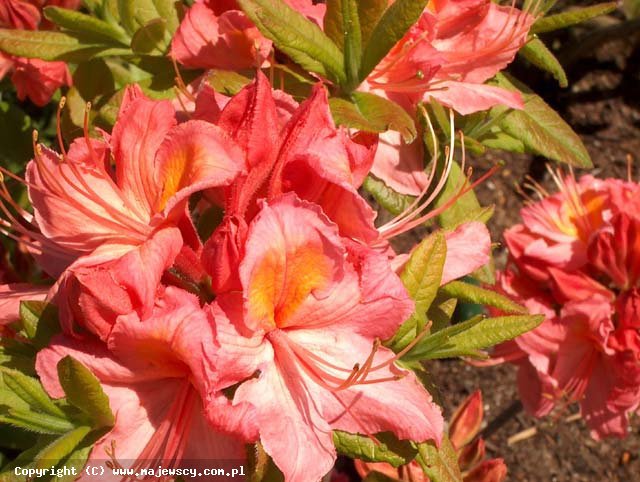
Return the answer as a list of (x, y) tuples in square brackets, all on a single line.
[(61, 447), (168, 10), (35, 422), (434, 341), (475, 294), (226, 81), (393, 25), (30, 390), (571, 17), (83, 391), (485, 334), (536, 52), (389, 449), (296, 36), (385, 115), (352, 43), (82, 23), (389, 199), (440, 464), (540, 128), (421, 277)]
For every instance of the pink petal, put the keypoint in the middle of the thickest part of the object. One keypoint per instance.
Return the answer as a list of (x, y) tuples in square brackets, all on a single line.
[(12, 294), (38, 80), (467, 98), (468, 248)]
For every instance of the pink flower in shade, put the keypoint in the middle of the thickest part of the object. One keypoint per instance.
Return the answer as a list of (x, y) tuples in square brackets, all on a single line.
[(576, 259), (34, 79), (464, 427), (153, 375), (308, 321), (116, 230)]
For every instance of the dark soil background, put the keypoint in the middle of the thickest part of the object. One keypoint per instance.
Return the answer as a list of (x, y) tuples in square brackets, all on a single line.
[(602, 104)]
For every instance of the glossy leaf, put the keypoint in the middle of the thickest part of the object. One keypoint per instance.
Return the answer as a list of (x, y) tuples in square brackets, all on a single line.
[(475, 294), (296, 36), (385, 115), (83, 391), (387, 449), (541, 129), (536, 52), (392, 26), (571, 17)]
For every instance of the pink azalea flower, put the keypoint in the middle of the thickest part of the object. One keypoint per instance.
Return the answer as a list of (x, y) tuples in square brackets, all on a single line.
[(297, 148), (34, 79), (576, 259), (153, 375), (312, 311), (120, 229)]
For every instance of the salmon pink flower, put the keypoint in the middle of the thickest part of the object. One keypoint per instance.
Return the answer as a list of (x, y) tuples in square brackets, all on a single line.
[(120, 228), (303, 338), (576, 259), (12, 294), (153, 375)]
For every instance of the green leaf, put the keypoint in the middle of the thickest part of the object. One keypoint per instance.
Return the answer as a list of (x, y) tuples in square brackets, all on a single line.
[(631, 8), (333, 23), (370, 12), (385, 115), (49, 45), (168, 10), (150, 38), (296, 36), (393, 25), (82, 23), (571, 17), (421, 277), (61, 447), (475, 336), (389, 199), (440, 464), (374, 476), (39, 321), (474, 294), (352, 43), (35, 422), (83, 391), (226, 81), (541, 129), (372, 113), (466, 208), (388, 449), (536, 52), (30, 390)]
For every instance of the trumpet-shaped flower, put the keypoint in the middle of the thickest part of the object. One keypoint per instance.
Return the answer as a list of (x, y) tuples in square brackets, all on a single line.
[(153, 375), (303, 339), (576, 259)]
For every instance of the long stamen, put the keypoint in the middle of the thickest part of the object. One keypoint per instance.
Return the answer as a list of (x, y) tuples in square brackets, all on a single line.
[(63, 101)]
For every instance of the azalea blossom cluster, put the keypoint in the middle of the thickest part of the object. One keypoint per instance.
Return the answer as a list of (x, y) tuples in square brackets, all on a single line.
[(576, 259), (448, 55), (34, 79), (285, 303)]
